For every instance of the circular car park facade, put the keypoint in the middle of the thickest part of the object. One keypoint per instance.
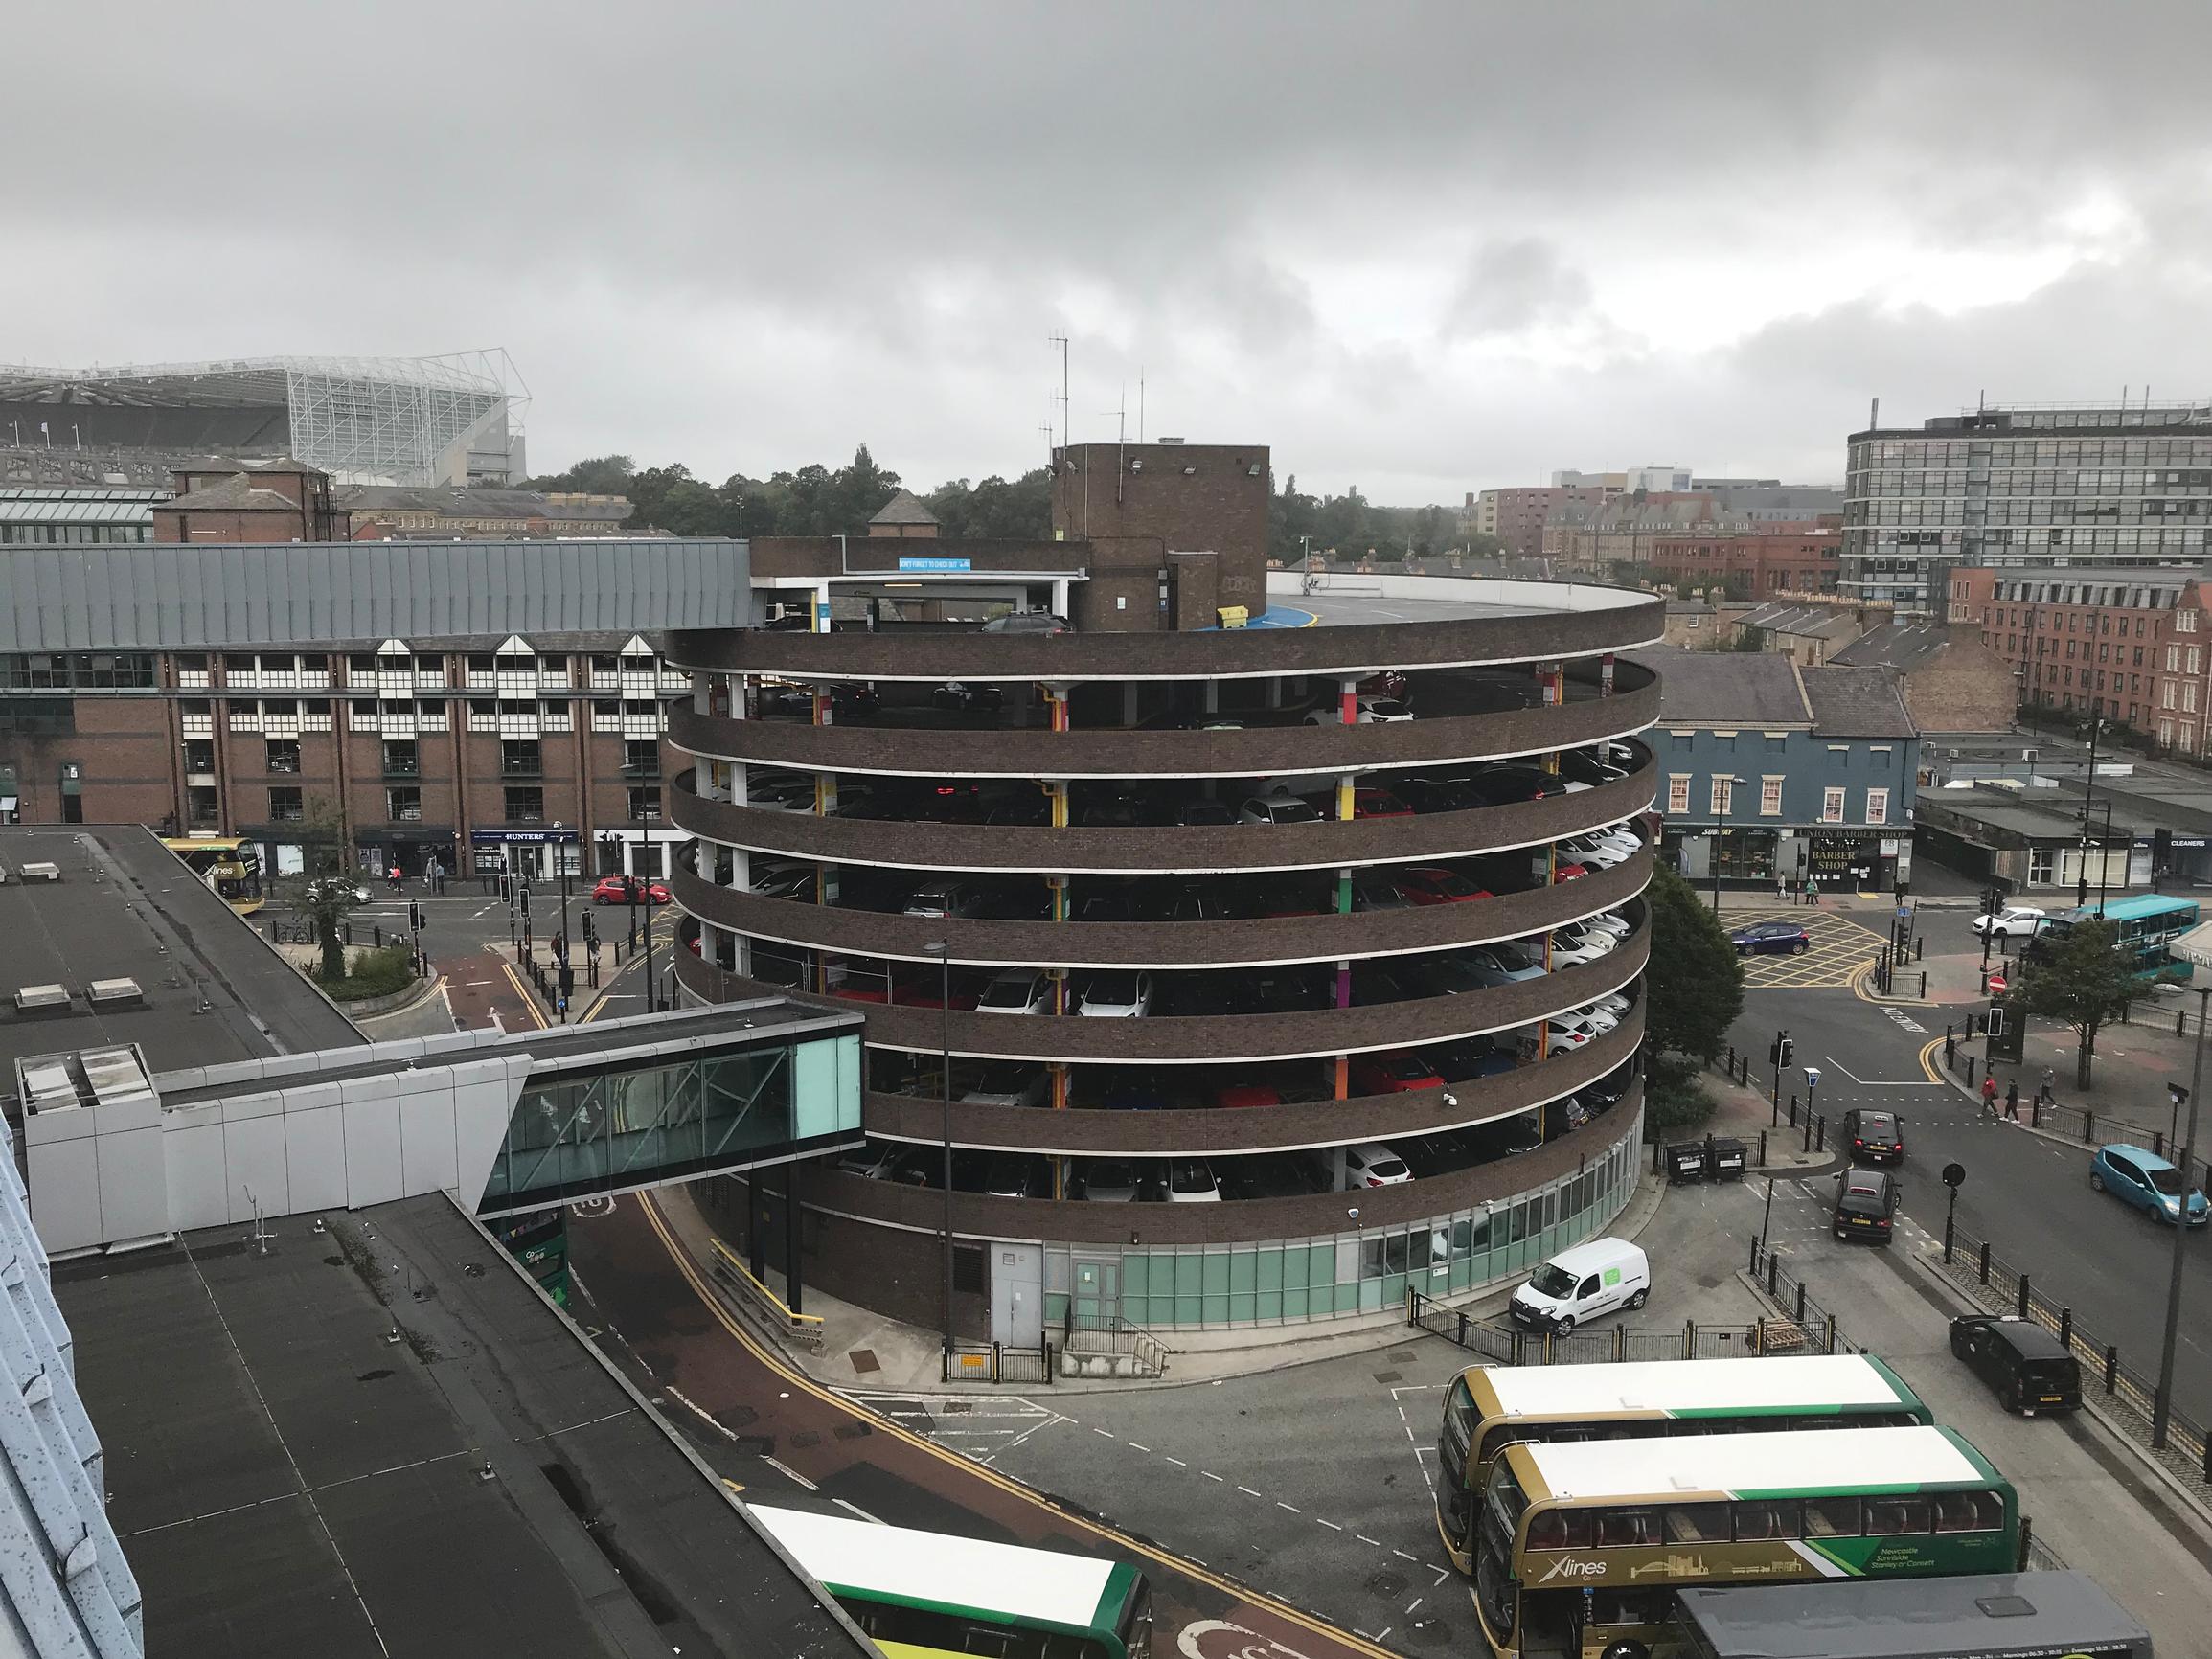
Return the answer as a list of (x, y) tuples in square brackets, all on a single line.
[(1252, 976)]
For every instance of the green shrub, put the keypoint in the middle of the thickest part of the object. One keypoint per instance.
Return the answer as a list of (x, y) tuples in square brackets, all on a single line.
[(372, 973)]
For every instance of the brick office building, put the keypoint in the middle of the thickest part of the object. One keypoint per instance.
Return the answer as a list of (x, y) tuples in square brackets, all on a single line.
[(232, 500), (1764, 562), (1517, 517), (2131, 645), (370, 712)]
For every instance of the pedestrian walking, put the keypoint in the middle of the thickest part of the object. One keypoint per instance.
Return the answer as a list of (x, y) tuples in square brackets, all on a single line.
[(1781, 888), (1989, 1097), (2049, 1093), (393, 877), (1812, 889), (2013, 1099)]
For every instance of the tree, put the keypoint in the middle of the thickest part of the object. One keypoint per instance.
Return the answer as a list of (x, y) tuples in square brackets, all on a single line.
[(328, 890), (2082, 981), (601, 475), (1695, 987)]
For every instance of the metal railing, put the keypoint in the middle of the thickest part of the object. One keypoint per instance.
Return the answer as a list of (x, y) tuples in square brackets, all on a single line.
[(1503, 1342), (2128, 1395), (1113, 1334), (802, 1328), (1002, 1362)]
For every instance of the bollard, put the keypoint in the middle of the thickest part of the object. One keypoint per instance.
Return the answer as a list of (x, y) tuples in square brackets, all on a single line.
[(1923, 985), (2159, 1142), (1462, 1331), (2113, 1372), (2067, 1329), (1799, 1314), (1773, 1268), (2180, 1022), (1806, 1145), (1731, 1059), (1820, 1133), (1970, 1071), (2089, 1127), (2022, 1308), (1754, 1255), (1793, 1110), (1762, 1149), (1985, 1261), (1774, 1119), (2036, 1111)]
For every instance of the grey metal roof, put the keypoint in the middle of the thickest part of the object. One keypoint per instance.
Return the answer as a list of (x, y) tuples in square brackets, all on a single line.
[(165, 597), (1725, 688), (51, 510), (1857, 702), (2051, 1612), (234, 494)]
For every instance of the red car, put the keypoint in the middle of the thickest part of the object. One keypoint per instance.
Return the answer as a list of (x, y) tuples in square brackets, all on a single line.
[(1568, 871), (1432, 886), (1246, 1094), (1392, 1074), (627, 890), (1390, 683), (1379, 804)]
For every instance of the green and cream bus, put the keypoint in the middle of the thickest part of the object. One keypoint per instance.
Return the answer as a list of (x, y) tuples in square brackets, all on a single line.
[(1580, 1549), (1488, 1408), (934, 1596)]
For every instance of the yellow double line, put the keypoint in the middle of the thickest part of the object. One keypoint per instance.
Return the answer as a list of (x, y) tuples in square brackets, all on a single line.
[(966, 1467)]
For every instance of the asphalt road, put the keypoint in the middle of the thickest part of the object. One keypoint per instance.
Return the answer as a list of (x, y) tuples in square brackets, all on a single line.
[(2028, 1196), (782, 1439)]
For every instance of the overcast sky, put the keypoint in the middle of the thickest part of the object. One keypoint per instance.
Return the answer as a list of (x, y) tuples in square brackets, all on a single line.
[(1419, 249)]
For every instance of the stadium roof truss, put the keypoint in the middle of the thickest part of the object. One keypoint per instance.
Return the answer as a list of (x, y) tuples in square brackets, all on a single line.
[(363, 419)]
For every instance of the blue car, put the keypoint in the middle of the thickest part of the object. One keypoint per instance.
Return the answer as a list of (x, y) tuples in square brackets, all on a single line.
[(2145, 1180), (1771, 939)]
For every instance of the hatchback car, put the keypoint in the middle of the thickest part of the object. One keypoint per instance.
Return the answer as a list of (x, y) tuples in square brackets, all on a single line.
[(1279, 809), (1392, 1074), (1613, 921), (1028, 622), (2011, 921), (782, 881), (1190, 1181), (1016, 991), (1119, 993), (943, 899), (1247, 1092), (1379, 804), (2142, 1177), (1866, 1205), (1108, 1181), (963, 696), (1771, 939), (1007, 1084), (1374, 1165), (1437, 886), (1874, 1137), (1199, 813), (1375, 892), (627, 890)]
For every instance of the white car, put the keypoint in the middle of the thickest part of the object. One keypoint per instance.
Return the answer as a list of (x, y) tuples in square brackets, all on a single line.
[(1279, 809), (1016, 991), (1371, 711), (1605, 855), (1120, 993), (1612, 1003), (1374, 1165), (1190, 1181), (2012, 922), (1108, 1181), (1566, 1033), (1597, 1019), (1568, 950), (1613, 921)]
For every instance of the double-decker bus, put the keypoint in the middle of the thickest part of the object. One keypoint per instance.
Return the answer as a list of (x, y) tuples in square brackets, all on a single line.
[(2146, 926), (1580, 1549), (538, 1239), (225, 863), (1488, 1408), (933, 1596)]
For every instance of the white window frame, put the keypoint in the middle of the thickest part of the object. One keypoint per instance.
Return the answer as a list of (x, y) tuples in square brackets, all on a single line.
[(1770, 795), (1877, 806), (1832, 804), (1679, 793)]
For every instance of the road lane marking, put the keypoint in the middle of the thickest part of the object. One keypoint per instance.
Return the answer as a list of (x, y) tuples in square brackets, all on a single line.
[(1248, 1491), (1209, 1474), (1281, 1504), (1178, 1462), (1365, 1539), (1133, 1446), (786, 1470), (1331, 1524), (1007, 1484)]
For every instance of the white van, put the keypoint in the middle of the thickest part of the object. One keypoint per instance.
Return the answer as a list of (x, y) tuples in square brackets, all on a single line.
[(1604, 1276)]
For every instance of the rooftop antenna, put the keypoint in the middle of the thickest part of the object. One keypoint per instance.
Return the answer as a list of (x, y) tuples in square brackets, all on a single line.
[(1046, 429)]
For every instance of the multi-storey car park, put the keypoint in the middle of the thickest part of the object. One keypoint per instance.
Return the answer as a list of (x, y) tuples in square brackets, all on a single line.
[(1249, 976)]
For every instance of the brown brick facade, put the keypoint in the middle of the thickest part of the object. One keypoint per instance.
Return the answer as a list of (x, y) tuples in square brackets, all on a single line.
[(1166, 498)]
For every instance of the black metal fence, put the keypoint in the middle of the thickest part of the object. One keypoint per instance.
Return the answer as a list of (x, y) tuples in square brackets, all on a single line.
[(2128, 1394), (1115, 1335), (1503, 1342), (1000, 1362), (2086, 1125)]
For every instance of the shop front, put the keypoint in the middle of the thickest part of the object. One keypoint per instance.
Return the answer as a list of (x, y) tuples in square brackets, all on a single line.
[(1858, 860), (412, 849), (535, 854), (1746, 854), (637, 850)]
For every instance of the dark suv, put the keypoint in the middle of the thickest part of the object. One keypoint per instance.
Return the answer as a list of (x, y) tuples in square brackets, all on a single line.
[(1874, 1137), (2025, 1365), (1866, 1205)]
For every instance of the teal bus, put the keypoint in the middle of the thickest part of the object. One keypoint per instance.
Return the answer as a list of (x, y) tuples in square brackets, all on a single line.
[(2147, 927)]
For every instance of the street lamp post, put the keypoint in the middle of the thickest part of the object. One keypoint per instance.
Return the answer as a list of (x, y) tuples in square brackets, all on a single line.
[(941, 950), (2162, 1405), (1720, 829), (2104, 856), (2088, 789)]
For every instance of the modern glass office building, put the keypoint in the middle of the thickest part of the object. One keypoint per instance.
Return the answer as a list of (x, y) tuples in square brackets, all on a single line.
[(2032, 487)]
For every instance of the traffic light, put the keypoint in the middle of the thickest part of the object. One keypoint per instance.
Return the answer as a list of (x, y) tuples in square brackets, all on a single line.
[(1788, 1047)]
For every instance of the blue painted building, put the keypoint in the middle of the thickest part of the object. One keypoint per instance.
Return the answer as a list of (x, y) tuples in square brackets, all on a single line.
[(1770, 770)]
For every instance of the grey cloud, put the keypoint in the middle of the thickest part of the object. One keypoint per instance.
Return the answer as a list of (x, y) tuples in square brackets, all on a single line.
[(755, 235)]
